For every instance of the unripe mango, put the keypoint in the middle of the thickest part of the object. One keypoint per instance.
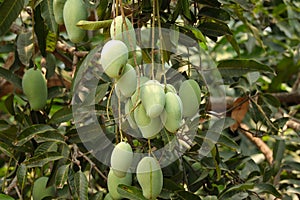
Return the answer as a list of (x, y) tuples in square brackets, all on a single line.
[(130, 114), (149, 127), (113, 181), (172, 115), (150, 177), (73, 12), (153, 98), (121, 159), (138, 56), (190, 95), (170, 88), (58, 7), (114, 57), (108, 197), (118, 31), (137, 94), (35, 88), (127, 83)]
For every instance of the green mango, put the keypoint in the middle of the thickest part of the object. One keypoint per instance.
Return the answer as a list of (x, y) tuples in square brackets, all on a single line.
[(40, 189), (126, 84), (137, 94), (150, 177), (35, 88), (113, 181), (172, 114), (58, 7), (190, 95), (118, 31), (121, 159), (114, 56), (108, 197), (149, 127), (138, 55), (73, 12), (153, 98)]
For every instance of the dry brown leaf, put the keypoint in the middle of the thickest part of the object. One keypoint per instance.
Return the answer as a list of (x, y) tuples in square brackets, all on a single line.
[(241, 106)]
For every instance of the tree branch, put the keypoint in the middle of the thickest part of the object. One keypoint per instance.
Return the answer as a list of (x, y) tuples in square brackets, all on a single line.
[(292, 98)]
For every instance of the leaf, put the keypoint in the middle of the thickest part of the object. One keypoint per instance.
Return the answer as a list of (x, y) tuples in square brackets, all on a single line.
[(93, 25), (42, 159), (6, 197), (81, 185), (226, 194), (185, 9), (186, 195), (63, 115), (46, 147), (4, 148), (266, 188), (233, 43), (130, 192), (213, 3), (278, 153), (271, 100), (51, 41), (62, 175), (40, 30), (48, 15), (29, 133), (214, 29), (9, 104), (22, 175), (11, 77), (227, 141), (239, 67), (215, 13), (25, 47), (9, 11), (241, 106)]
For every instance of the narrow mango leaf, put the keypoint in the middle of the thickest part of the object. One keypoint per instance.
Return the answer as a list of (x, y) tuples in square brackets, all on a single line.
[(278, 153), (62, 175), (40, 30), (4, 148), (186, 195), (25, 47), (48, 15), (46, 147), (130, 192), (9, 11), (214, 29), (215, 13), (235, 189), (210, 198), (42, 159), (62, 115), (81, 185), (6, 197), (11, 77), (226, 141), (186, 9), (48, 136), (212, 3), (270, 99), (93, 25), (22, 175), (266, 188), (233, 43), (239, 67)]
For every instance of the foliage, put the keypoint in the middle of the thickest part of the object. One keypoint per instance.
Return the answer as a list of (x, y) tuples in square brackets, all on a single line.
[(256, 46)]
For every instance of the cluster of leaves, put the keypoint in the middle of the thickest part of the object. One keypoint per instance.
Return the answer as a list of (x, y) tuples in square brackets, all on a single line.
[(256, 47)]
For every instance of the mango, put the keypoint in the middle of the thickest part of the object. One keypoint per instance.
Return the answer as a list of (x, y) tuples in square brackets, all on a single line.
[(172, 114), (130, 114), (40, 189), (108, 197), (170, 88), (114, 56), (118, 31), (126, 84), (121, 159), (73, 12), (58, 7), (190, 95), (149, 127), (137, 94), (113, 181), (150, 177), (35, 88), (153, 98), (138, 55)]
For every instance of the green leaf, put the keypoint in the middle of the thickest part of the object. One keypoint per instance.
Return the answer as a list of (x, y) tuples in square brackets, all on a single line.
[(81, 185), (51, 41), (9, 11), (215, 13), (235, 189), (25, 47), (63, 115), (239, 67), (48, 15), (93, 25), (4, 148), (266, 188), (62, 175), (42, 159), (186, 195), (30, 132), (130, 192), (22, 175), (270, 99), (227, 141), (214, 29), (231, 39), (46, 147), (40, 30), (6, 197), (9, 104), (278, 153), (210, 198), (213, 3), (48, 136), (11, 77), (185, 10)]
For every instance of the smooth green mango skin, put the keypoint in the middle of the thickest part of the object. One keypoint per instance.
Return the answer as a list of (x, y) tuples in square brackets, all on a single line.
[(35, 88), (58, 7), (150, 177), (113, 181), (118, 31), (114, 57), (127, 83), (137, 94), (73, 12), (108, 197), (190, 95), (40, 191), (121, 159), (149, 127), (139, 57), (172, 114), (153, 98)]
